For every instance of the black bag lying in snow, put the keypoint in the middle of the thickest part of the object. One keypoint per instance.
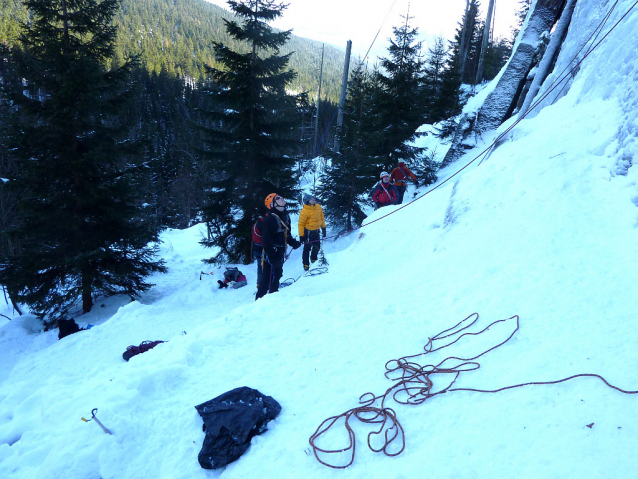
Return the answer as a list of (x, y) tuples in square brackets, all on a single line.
[(230, 422), (67, 327)]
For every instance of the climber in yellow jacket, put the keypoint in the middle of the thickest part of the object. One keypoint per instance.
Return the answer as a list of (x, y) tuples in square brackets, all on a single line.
[(310, 221)]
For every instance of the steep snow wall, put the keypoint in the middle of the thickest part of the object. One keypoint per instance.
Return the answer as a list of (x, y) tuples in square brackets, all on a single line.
[(609, 69)]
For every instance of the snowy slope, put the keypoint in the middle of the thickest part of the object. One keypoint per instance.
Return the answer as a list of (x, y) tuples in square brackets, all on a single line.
[(546, 229)]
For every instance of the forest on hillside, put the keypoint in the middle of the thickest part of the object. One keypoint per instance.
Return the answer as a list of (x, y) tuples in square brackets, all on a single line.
[(177, 37)]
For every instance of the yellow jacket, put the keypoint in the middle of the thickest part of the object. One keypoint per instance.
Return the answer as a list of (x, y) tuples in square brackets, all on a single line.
[(311, 218)]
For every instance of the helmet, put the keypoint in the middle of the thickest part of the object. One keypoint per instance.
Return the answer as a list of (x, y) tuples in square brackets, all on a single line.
[(307, 198), (383, 173), (269, 199)]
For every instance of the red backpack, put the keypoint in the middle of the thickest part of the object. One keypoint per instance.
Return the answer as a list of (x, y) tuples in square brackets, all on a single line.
[(257, 240)]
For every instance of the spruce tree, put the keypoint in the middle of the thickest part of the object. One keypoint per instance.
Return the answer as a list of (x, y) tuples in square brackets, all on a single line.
[(433, 78), (252, 135), (81, 233), (401, 101)]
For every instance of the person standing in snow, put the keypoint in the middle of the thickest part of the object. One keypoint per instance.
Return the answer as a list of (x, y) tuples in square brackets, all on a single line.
[(398, 177), (311, 219), (384, 193), (275, 235)]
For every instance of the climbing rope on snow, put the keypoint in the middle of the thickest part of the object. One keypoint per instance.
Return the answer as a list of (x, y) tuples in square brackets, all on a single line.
[(312, 272), (413, 385)]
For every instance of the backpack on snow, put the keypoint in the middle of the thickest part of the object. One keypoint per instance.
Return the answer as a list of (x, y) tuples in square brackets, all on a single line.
[(231, 273)]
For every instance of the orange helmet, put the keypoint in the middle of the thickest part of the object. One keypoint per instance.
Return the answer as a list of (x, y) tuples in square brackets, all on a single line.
[(269, 199)]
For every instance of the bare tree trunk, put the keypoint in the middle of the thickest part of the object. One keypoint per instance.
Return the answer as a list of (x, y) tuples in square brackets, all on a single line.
[(87, 300), (466, 36), (486, 38)]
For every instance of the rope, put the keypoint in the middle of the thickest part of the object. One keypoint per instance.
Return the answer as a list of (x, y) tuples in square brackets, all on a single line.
[(413, 385), (313, 272), (487, 150)]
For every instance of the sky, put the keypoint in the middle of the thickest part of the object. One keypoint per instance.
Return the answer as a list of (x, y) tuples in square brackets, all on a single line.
[(541, 235), (337, 21)]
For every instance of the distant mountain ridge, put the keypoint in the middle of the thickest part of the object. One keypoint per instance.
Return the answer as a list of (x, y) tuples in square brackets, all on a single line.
[(177, 36)]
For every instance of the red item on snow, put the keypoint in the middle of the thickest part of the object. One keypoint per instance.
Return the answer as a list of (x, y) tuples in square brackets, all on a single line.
[(142, 348)]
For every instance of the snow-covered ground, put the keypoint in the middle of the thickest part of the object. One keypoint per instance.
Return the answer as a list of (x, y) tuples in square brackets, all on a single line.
[(546, 229)]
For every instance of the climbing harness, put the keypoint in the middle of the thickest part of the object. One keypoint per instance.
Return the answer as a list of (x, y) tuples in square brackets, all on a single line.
[(312, 272), (413, 385), (94, 418)]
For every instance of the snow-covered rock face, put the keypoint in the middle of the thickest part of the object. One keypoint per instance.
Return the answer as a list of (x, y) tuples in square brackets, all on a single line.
[(542, 16), (501, 100), (609, 71), (608, 66)]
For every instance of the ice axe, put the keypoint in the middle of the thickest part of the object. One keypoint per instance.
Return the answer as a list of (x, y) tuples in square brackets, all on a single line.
[(93, 418)]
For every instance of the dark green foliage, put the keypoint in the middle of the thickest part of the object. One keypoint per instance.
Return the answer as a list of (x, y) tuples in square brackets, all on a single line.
[(11, 15), (177, 36), (446, 102), (173, 182), (253, 133), (496, 56), (401, 99), (521, 13), (350, 174), (81, 231)]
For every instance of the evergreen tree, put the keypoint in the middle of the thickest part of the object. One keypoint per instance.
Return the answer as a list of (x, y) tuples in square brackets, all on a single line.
[(253, 133), (81, 233), (348, 178), (401, 101), (496, 55), (433, 78), (447, 103)]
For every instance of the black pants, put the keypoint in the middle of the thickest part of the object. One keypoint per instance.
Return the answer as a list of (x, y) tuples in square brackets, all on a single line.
[(401, 192), (314, 244), (268, 276)]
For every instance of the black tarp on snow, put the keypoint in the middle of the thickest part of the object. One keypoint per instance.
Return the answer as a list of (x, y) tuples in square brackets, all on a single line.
[(230, 422)]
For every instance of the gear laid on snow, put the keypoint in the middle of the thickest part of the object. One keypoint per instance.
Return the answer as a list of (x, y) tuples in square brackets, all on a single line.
[(309, 272), (233, 277), (142, 348), (203, 272), (231, 421), (67, 327), (93, 418)]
